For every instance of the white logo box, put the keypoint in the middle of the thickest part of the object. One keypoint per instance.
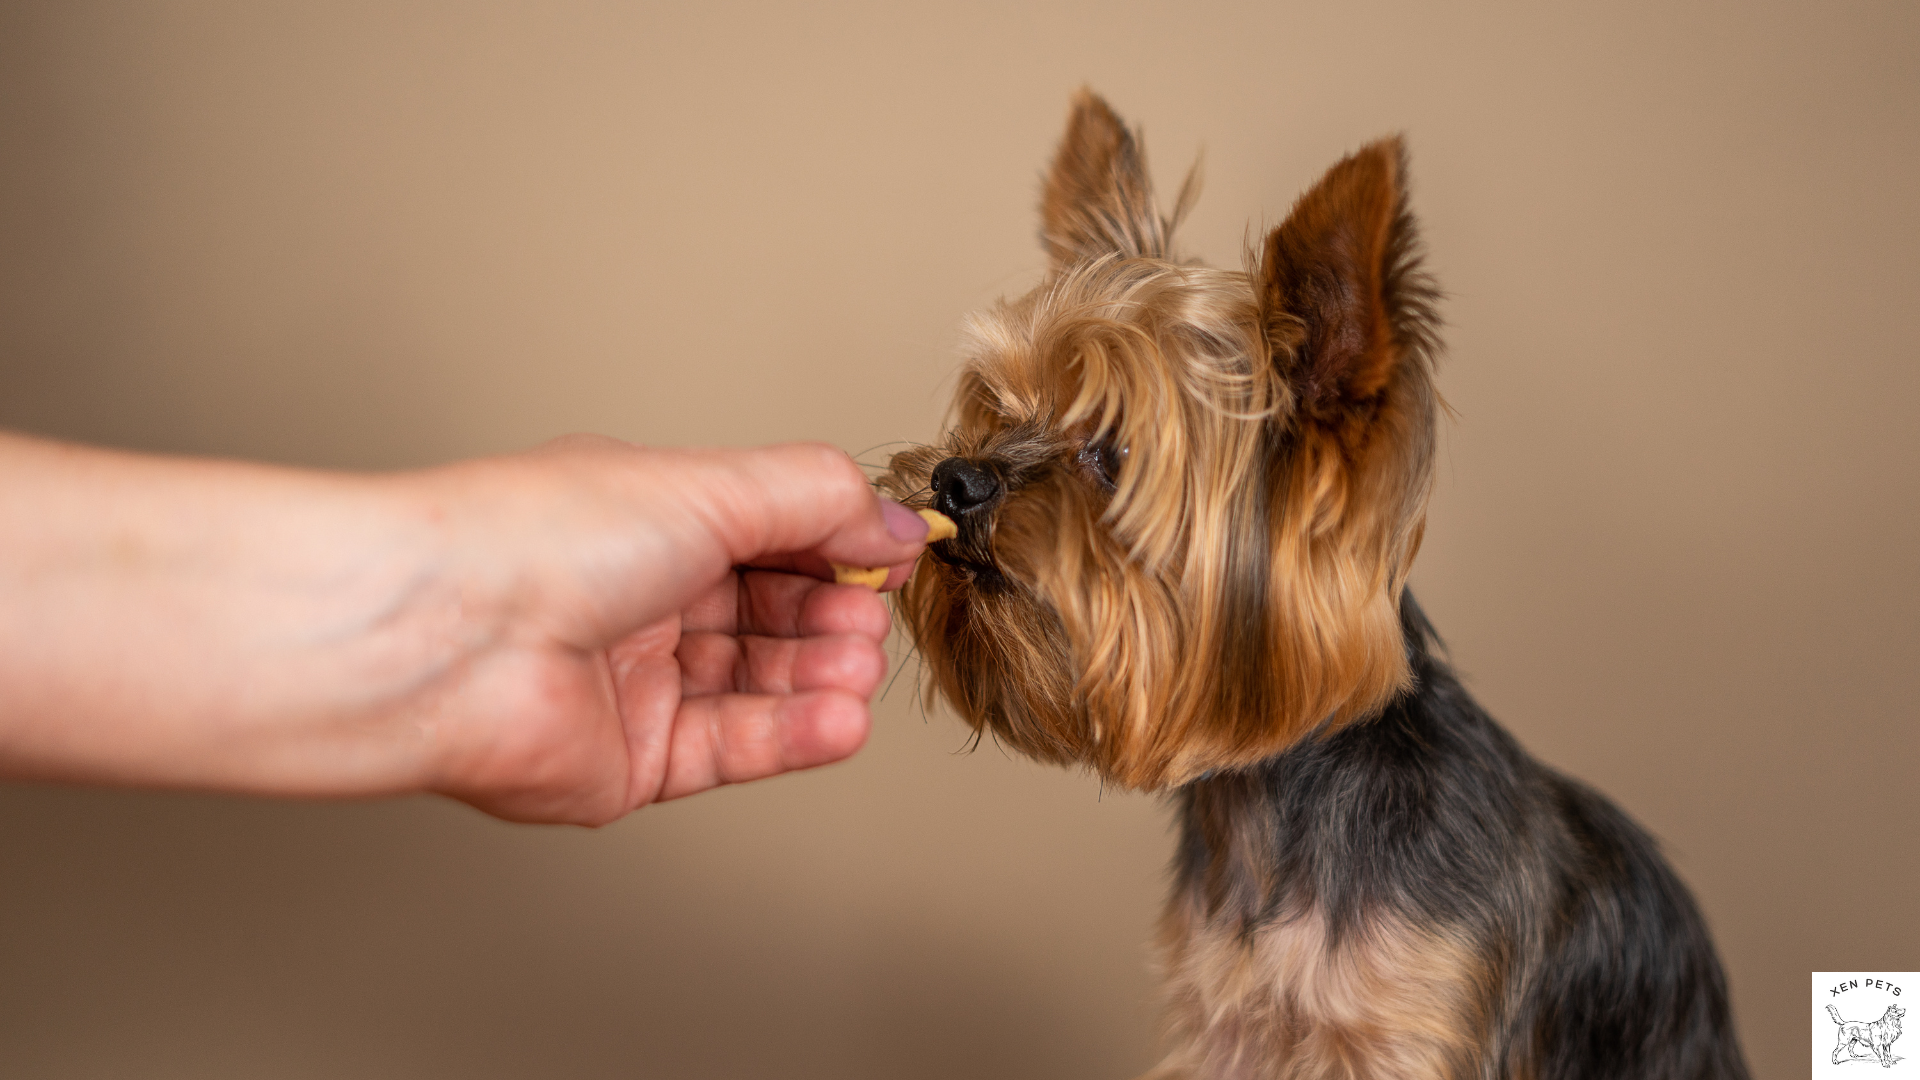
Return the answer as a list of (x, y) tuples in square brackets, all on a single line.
[(1862, 998)]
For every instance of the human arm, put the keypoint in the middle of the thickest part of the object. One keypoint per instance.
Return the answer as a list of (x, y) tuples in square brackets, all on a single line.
[(558, 635)]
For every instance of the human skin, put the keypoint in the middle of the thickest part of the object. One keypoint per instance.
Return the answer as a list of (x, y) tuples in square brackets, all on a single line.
[(563, 635)]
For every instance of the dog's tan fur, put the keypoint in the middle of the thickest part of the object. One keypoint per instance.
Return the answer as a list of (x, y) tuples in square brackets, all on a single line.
[(1291, 1001)]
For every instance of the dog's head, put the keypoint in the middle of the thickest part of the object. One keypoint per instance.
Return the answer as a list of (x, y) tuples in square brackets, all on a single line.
[(1187, 497)]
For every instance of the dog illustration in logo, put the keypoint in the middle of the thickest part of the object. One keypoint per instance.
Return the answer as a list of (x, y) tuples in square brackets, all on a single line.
[(1859, 1040)]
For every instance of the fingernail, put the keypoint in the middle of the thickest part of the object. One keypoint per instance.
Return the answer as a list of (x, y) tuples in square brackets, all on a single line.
[(905, 525)]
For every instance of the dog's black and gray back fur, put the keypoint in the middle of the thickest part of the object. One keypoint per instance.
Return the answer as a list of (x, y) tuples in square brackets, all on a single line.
[(1601, 966)]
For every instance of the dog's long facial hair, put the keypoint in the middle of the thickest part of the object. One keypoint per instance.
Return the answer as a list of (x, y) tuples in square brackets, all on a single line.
[(1188, 499)]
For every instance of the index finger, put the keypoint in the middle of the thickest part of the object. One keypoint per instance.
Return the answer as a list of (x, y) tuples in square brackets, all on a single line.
[(813, 566), (788, 605)]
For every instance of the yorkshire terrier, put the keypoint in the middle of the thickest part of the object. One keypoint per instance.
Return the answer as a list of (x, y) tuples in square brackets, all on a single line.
[(1187, 502)]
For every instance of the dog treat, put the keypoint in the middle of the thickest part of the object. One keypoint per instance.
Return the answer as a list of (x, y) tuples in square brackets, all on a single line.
[(854, 575), (939, 527)]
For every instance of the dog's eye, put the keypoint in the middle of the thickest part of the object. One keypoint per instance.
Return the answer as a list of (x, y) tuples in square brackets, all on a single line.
[(1104, 461)]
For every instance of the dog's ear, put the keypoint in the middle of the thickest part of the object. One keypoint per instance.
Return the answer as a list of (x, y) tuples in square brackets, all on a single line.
[(1349, 322), (1098, 200), (1345, 303)]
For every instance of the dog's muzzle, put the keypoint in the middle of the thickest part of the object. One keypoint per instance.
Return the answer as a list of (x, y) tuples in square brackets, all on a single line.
[(968, 491)]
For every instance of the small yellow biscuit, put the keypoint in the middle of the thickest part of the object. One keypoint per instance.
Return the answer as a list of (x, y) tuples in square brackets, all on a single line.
[(854, 575), (939, 526)]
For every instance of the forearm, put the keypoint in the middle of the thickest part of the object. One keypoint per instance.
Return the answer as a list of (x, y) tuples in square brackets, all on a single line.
[(210, 624)]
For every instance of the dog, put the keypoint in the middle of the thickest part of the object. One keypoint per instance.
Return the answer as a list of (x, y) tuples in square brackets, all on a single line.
[(1860, 1040), (1187, 501)]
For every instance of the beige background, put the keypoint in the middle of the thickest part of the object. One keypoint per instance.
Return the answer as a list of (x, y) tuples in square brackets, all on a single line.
[(1673, 546)]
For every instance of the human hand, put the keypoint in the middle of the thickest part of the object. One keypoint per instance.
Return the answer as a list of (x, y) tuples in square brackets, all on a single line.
[(662, 626)]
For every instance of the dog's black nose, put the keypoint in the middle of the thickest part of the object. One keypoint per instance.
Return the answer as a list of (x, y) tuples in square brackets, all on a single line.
[(960, 487)]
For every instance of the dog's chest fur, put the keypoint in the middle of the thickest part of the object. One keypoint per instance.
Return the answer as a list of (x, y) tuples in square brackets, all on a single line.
[(1287, 1000)]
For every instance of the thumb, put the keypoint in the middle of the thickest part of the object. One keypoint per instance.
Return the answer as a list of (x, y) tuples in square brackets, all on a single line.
[(801, 505)]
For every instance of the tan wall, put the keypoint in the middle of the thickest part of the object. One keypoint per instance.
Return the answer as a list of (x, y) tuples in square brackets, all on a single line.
[(1673, 544)]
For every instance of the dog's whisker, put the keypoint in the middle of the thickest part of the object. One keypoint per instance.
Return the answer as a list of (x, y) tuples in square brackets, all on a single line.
[(899, 666)]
